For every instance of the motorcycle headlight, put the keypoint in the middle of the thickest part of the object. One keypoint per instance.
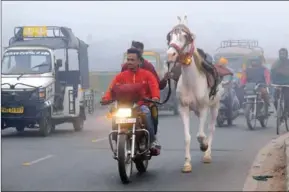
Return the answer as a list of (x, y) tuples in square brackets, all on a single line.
[(41, 93), (123, 112)]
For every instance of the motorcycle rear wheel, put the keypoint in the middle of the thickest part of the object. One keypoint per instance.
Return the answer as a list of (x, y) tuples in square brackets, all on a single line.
[(141, 163)]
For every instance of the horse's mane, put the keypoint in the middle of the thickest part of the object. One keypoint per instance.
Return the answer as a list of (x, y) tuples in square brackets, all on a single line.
[(198, 60)]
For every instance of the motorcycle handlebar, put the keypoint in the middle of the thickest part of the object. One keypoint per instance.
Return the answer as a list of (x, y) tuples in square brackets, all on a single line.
[(152, 101), (106, 102)]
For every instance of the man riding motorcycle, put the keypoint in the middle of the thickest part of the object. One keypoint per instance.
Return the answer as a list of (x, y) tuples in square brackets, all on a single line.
[(150, 89), (257, 73), (227, 81), (280, 76), (145, 64)]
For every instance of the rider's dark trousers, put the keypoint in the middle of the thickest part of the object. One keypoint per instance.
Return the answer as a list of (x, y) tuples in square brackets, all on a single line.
[(286, 97)]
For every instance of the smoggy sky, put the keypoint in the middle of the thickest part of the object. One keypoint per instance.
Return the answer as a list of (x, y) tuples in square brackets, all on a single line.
[(120, 22)]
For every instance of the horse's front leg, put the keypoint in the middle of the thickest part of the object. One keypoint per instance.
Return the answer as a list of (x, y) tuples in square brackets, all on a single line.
[(214, 113), (185, 115), (201, 136)]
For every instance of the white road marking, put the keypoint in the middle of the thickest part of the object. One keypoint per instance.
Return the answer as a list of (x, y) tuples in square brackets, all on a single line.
[(37, 160), (98, 140)]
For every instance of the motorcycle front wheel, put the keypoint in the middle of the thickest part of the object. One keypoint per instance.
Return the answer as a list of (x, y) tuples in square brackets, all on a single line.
[(249, 115), (125, 162)]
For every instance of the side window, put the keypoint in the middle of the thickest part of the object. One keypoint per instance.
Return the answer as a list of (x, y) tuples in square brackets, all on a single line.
[(73, 59), (10, 63), (60, 54)]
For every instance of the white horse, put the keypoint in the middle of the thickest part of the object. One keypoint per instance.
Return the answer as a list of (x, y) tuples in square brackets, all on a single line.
[(192, 89)]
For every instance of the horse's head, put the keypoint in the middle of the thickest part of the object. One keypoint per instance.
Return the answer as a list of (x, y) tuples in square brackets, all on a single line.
[(181, 43)]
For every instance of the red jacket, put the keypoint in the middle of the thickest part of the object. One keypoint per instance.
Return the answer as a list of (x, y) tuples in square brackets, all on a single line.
[(141, 76), (148, 66)]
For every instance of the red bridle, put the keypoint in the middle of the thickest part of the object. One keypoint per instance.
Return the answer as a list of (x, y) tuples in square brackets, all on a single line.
[(189, 40)]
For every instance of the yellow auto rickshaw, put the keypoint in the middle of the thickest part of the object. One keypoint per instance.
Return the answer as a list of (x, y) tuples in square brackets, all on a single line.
[(238, 53)]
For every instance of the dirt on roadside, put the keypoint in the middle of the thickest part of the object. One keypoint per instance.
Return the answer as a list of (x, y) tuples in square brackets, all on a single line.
[(274, 165)]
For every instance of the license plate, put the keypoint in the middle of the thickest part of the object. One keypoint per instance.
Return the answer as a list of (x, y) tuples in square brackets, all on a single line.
[(125, 120), (18, 110), (250, 96)]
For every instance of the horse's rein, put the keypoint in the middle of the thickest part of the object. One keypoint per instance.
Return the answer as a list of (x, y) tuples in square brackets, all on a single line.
[(189, 40)]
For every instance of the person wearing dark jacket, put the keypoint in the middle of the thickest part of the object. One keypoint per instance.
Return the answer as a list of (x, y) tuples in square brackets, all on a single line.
[(280, 76), (257, 73)]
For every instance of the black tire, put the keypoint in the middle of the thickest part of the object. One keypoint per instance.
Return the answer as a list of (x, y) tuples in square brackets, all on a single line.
[(279, 116), (45, 126), (286, 117), (141, 165), (286, 124), (247, 113), (280, 111), (263, 122), (230, 122), (230, 109), (20, 128), (53, 127), (123, 143), (141, 162), (220, 121), (78, 122)]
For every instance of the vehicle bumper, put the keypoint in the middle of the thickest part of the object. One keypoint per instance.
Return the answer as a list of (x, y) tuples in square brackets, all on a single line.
[(33, 110)]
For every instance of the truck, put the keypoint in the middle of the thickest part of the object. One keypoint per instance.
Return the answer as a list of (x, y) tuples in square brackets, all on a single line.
[(37, 90)]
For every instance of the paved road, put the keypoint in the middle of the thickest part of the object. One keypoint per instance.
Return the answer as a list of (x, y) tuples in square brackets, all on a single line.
[(82, 161)]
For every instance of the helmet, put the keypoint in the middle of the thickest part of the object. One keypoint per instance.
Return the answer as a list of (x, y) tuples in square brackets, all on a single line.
[(223, 61)]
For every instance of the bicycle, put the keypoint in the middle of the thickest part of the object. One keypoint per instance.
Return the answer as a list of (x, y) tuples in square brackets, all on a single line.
[(282, 116)]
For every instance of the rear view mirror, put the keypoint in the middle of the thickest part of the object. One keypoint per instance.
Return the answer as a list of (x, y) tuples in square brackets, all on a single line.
[(58, 63)]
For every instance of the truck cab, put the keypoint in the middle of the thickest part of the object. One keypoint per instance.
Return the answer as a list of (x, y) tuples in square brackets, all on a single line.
[(36, 92)]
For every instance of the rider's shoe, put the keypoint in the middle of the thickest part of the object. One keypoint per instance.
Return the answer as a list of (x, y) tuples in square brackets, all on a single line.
[(155, 148)]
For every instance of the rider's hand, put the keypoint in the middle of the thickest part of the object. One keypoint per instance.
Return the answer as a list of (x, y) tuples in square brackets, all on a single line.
[(155, 99), (103, 100), (168, 75)]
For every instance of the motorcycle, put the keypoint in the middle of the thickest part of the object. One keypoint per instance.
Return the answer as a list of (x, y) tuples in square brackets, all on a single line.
[(131, 138), (89, 101), (228, 98), (255, 107)]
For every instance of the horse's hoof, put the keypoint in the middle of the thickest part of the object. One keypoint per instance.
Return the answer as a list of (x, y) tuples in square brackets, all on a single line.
[(187, 168), (204, 147), (207, 159)]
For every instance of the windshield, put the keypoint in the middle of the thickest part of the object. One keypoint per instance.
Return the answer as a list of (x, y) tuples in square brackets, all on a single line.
[(26, 62), (235, 63), (151, 59)]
